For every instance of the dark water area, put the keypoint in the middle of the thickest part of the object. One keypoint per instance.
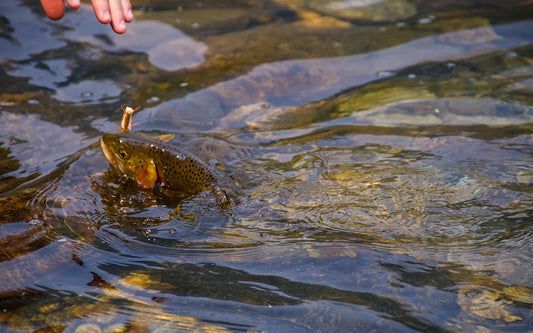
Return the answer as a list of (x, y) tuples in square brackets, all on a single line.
[(381, 152)]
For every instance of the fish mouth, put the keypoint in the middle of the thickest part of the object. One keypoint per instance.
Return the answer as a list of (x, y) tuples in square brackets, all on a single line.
[(110, 156), (105, 150)]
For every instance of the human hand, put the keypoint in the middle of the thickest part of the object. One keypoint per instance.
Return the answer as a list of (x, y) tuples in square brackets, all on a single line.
[(116, 12)]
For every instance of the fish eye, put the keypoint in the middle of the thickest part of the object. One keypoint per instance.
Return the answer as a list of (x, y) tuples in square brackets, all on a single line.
[(123, 154)]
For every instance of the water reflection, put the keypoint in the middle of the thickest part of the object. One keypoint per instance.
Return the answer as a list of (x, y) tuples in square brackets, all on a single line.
[(384, 162), (48, 59), (322, 78)]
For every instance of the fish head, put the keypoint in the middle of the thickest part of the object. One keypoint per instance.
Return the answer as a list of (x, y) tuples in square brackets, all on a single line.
[(129, 157)]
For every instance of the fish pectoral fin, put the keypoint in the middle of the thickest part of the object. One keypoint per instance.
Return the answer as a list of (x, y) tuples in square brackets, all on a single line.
[(147, 175), (178, 213)]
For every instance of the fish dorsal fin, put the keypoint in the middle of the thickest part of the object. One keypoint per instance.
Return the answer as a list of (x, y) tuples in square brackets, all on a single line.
[(164, 137)]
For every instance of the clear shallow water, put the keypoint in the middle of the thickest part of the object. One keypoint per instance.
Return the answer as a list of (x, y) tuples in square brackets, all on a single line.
[(384, 162)]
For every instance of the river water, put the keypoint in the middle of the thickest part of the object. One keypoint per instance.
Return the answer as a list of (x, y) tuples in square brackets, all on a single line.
[(382, 153)]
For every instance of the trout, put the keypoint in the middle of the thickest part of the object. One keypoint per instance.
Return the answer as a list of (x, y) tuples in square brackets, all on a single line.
[(152, 162)]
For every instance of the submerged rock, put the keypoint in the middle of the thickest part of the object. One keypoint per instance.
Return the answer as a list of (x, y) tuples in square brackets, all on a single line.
[(366, 10)]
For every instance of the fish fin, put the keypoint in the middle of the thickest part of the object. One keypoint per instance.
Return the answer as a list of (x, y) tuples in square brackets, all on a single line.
[(162, 137), (165, 137), (222, 198), (178, 213), (147, 176)]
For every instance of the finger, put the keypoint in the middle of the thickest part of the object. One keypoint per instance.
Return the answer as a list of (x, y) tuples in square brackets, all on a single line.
[(101, 10), (117, 16), (54, 9), (126, 7), (74, 4)]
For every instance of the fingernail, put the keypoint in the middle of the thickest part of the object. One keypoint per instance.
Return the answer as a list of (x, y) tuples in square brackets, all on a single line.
[(129, 15), (106, 16), (121, 25)]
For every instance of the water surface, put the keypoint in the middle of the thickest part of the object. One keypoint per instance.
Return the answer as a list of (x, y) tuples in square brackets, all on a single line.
[(383, 152)]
